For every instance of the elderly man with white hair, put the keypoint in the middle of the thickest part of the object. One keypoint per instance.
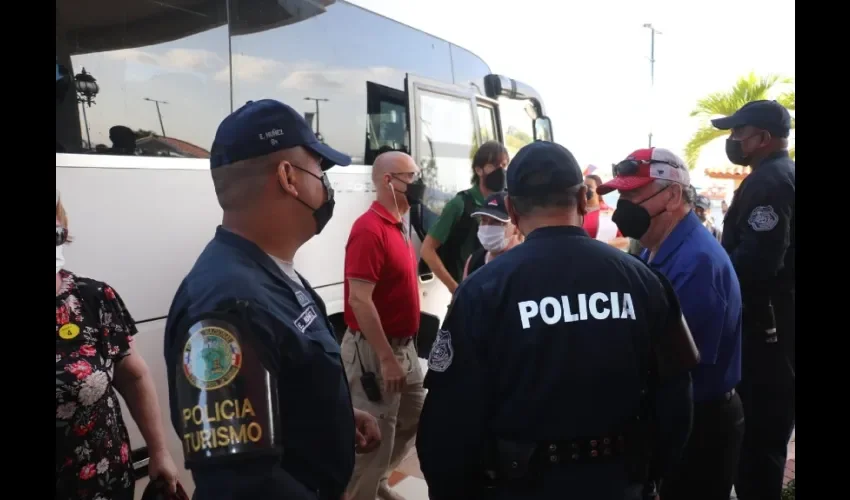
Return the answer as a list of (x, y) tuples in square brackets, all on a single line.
[(655, 207)]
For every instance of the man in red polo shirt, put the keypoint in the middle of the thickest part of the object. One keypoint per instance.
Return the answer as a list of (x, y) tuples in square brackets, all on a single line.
[(382, 314)]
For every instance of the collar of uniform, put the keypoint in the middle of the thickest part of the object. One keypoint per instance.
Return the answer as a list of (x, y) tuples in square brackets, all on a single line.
[(776, 155), (549, 231), (675, 239), (383, 213), (256, 253)]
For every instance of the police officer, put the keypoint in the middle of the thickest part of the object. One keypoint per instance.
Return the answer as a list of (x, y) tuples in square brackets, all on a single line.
[(553, 357), (257, 389), (702, 209), (758, 233)]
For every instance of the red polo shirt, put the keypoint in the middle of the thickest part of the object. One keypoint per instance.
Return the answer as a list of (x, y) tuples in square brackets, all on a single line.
[(377, 252)]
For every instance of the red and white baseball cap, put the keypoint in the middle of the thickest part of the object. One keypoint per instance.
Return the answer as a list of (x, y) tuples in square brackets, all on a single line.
[(644, 166)]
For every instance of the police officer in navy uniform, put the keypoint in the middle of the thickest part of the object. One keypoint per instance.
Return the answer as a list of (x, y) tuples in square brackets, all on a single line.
[(758, 233), (258, 394), (556, 361)]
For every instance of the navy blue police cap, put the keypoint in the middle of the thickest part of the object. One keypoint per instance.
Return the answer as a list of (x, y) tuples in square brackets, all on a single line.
[(766, 115), (262, 127), (702, 202), (543, 168)]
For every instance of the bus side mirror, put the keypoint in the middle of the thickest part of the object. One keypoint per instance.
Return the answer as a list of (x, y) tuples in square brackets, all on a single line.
[(543, 129)]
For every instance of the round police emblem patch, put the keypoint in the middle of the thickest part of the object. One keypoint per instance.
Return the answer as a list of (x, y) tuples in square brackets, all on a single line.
[(211, 358), (763, 218)]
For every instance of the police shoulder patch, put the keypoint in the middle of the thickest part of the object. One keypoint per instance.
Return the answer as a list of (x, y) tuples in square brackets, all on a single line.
[(763, 218), (212, 355), (442, 352)]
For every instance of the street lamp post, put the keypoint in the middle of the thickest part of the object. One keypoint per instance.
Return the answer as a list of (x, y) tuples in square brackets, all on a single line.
[(87, 89), (317, 99), (158, 112), (651, 75)]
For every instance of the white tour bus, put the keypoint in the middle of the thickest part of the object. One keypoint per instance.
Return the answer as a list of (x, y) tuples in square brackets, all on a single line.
[(141, 204)]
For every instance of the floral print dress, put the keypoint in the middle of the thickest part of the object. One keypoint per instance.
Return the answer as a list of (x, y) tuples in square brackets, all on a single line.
[(93, 332)]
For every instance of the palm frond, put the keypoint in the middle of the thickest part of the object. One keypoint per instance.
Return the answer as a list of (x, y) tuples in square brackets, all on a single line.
[(747, 88), (703, 136), (788, 100)]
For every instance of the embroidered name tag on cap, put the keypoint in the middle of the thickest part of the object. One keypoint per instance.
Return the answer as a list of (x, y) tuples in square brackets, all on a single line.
[(306, 319)]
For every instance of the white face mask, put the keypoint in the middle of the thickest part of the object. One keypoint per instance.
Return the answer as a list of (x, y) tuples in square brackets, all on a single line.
[(493, 238), (60, 258)]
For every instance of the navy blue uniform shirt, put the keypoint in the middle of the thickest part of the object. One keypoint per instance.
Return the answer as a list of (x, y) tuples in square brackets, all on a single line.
[(551, 341), (759, 230), (710, 296), (315, 413)]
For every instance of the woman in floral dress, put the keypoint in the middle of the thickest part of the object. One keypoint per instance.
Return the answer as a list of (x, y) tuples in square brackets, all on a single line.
[(94, 352)]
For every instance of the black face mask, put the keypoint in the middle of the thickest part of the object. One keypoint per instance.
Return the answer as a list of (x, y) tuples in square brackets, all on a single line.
[(632, 219), (735, 152), (495, 180), (415, 192), (325, 212)]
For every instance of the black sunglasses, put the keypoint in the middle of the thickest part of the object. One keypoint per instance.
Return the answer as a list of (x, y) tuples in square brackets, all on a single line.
[(61, 235), (631, 167)]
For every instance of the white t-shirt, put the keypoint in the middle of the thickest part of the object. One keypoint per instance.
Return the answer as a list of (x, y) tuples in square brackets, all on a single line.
[(288, 269)]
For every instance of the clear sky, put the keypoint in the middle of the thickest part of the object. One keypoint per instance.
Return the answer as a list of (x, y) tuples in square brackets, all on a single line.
[(590, 60)]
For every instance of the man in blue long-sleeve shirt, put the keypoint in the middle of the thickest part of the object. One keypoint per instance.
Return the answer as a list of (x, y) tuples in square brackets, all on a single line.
[(655, 208)]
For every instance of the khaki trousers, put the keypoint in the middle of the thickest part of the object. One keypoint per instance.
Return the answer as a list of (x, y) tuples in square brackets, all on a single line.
[(397, 413)]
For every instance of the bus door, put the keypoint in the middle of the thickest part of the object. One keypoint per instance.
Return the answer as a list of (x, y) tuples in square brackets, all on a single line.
[(447, 123)]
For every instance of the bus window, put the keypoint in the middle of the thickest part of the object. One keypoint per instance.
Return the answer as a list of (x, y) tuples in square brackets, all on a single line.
[(446, 145), (327, 59), (486, 123), (517, 126), (387, 126), (150, 79)]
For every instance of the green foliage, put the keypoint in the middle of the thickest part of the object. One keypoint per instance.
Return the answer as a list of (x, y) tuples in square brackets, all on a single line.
[(790, 491), (746, 89), (515, 139), (141, 133)]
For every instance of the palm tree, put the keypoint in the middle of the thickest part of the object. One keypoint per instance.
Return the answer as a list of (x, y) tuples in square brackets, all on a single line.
[(748, 88)]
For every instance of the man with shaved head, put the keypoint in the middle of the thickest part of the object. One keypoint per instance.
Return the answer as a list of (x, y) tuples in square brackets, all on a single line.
[(258, 393), (382, 314)]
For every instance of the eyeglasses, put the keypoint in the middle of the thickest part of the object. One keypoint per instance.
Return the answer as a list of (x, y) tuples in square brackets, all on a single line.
[(407, 177), (61, 235), (630, 167)]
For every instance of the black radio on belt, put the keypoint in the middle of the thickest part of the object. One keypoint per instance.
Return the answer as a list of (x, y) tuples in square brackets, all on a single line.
[(368, 380)]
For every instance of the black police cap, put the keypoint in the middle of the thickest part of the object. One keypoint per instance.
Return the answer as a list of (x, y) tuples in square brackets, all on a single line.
[(766, 115), (542, 168)]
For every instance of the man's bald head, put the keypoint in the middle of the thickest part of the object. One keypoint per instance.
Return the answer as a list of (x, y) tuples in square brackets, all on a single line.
[(392, 162), (392, 174)]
